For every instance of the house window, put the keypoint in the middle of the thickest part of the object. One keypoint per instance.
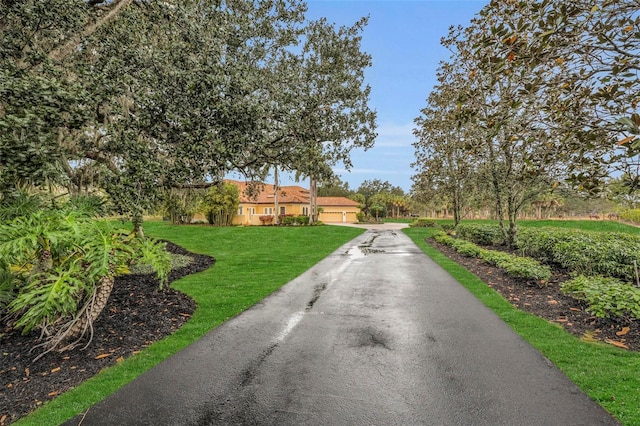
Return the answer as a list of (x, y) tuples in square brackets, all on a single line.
[(251, 211), (240, 211), (305, 211), (268, 210), (283, 210)]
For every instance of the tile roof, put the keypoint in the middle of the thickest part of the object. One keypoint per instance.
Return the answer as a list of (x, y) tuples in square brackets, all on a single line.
[(262, 193), (288, 194), (336, 201)]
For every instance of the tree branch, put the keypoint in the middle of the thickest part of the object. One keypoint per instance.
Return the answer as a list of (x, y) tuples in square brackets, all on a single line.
[(61, 52)]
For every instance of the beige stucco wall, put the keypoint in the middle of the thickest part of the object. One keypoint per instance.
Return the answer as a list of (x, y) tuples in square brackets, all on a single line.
[(333, 214), (254, 219)]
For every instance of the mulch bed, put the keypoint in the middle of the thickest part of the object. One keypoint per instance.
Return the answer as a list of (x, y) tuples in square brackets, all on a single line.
[(549, 303), (138, 313)]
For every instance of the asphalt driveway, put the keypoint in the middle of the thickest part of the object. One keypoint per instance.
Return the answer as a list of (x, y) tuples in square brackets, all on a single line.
[(375, 334)]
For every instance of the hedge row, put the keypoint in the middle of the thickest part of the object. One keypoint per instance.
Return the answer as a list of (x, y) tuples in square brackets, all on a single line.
[(611, 254), (483, 234), (516, 266), (423, 222)]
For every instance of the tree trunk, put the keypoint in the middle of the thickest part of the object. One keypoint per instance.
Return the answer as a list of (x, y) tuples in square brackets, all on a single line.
[(276, 189), (313, 200), (92, 309)]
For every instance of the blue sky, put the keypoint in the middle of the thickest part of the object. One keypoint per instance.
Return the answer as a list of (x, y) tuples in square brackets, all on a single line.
[(403, 38)]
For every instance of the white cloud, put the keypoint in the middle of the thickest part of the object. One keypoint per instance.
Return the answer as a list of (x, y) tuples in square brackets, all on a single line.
[(393, 135)]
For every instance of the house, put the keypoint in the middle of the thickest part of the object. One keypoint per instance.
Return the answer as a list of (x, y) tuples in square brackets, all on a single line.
[(258, 201)]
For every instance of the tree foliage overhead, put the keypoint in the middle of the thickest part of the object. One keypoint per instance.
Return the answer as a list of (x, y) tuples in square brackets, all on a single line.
[(540, 92), (176, 93)]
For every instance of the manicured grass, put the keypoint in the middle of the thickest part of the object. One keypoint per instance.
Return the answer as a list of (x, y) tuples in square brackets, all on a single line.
[(610, 376), (251, 263)]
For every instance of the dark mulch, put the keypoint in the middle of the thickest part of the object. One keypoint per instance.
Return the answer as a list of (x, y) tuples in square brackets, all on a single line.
[(549, 303), (138, 314)]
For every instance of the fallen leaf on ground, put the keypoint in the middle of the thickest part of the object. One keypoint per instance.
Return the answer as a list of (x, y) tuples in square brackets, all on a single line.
[(55, 370), (102, 356), (622, 332), (616, 343)]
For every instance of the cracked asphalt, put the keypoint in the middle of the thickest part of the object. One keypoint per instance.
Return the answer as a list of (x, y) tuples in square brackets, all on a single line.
[(375, 334)]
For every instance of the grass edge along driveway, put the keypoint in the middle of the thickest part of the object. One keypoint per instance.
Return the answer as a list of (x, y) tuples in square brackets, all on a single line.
[(251, 263), (610, 376)]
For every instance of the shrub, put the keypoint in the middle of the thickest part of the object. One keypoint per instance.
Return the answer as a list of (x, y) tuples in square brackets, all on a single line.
[(361, 216), (266, 219), (631, 215), (287, 219), (483, 234), (584, 252), (605, 297), (423, 222), (466, 248), (442, 238), (516, 266), (302, 220), (540, 243), (449, 228)]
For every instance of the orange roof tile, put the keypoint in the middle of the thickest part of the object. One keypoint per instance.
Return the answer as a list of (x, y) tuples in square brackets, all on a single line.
[(291, 194), (336, 201), (265, 193)]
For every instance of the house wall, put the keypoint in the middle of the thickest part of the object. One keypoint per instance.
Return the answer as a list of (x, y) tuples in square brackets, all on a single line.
[(247, 218)]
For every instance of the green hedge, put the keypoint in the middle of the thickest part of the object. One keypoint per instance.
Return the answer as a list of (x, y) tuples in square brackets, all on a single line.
[(609, 254), (516, 266), (423, 222), (483, 234), (290, 220)]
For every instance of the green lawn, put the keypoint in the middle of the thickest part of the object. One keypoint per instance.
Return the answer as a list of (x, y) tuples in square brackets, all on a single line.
[(608, 375), (251, 263)]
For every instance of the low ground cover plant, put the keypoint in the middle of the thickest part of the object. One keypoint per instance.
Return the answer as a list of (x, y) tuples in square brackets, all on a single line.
[(606, 297)]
